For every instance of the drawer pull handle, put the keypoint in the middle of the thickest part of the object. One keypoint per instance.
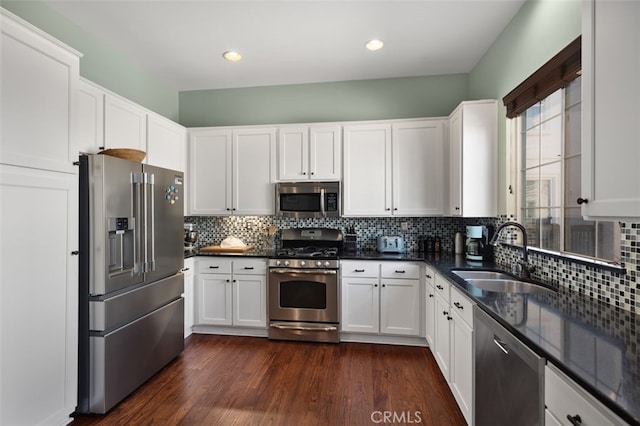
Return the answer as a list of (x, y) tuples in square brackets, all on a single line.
[(428, 276), (499, 343), (574, 420), (214, 267), (431, 295), (399, 272), (439, 287), (445, 313), (358, 270), (458, 305), (248, 267)]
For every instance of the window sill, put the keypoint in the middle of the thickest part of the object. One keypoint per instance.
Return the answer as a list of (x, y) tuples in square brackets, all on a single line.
[(586, 261)]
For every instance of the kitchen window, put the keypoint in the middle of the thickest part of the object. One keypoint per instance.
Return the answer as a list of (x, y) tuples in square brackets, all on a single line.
[(549, 146)]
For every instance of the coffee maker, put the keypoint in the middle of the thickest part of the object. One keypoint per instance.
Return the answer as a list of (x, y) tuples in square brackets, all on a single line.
[(477, 245)]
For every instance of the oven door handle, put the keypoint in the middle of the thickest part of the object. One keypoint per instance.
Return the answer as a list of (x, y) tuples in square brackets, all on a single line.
[(303, 328), (304, 271)]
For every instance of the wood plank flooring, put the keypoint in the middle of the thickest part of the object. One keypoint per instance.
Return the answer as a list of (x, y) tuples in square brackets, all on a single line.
[(228, 380)]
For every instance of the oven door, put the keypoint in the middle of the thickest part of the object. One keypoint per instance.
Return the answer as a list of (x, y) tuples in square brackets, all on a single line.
[(303, 295)]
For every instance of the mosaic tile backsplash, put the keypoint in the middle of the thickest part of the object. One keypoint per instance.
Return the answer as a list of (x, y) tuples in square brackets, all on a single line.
[(615, 287)]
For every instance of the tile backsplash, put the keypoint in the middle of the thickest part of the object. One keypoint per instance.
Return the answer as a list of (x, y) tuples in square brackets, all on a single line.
[(617, 287)]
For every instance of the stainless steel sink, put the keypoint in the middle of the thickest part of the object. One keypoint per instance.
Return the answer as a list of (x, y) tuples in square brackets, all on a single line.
[(507, 286), (491, 275)]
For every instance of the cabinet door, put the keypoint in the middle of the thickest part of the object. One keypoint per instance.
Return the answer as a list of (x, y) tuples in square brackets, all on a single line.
[(360, 305), (39, 303), (90, 118), (249, 300), (325, 153), (254, 171), (462, 357), (430, 318), (417, 168), (442, 336), (214, 299), (400, 307), (210, 172), (293, 153), (39, 81), (455, 163), (367, 170), (166, 142), (125, 124), (611, 107), (189, 295)]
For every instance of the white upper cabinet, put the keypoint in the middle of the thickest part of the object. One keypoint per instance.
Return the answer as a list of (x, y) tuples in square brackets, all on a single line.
[(417, 167), (39, 81), (90, 118), (367, 170), (231, 171), (166, 143), (309, 153), (473, 159), (393, 168), (125, 124), (610, 109)]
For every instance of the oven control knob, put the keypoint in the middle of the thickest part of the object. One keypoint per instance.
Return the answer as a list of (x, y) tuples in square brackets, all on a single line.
[(302, 263), (277, 263), (319, 263), (326, 263), (286, 263)]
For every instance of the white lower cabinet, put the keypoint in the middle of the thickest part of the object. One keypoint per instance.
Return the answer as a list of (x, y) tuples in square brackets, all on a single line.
[(453, 342), (231, 292), (430, 307), (381, 298), (569, 404), (189, 292)]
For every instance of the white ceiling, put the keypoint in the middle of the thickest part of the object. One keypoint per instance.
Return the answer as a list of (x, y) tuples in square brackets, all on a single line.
[(295, 41)]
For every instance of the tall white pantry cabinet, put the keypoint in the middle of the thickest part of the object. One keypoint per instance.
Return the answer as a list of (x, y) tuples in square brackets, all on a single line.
[(39, 223)]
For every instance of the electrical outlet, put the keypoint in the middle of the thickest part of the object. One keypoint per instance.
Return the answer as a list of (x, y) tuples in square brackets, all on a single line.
[(404, 226)]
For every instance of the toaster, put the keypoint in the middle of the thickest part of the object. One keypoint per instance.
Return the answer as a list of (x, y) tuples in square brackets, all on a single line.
[(390, 244)]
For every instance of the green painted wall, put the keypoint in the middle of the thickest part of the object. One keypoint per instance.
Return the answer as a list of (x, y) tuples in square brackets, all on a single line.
[(101, 63), (320, 102), (540, 29)]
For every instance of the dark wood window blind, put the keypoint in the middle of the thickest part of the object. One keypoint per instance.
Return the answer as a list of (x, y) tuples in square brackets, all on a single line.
[(560, 70)]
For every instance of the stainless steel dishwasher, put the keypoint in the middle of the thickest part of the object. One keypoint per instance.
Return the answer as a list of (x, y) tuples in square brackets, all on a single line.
[(509, 377)]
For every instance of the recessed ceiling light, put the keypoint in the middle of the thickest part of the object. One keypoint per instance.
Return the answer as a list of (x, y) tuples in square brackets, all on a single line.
[(374, 44), (232, 56)]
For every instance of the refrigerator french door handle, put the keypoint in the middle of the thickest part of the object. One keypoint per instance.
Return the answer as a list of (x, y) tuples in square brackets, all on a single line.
[(151, 230), (138, 217)]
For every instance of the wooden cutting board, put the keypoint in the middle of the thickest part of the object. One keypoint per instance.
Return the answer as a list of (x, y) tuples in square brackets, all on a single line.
[(220, 249)]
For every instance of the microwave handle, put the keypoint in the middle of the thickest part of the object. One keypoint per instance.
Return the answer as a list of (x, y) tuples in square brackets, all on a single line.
[(324, 213)]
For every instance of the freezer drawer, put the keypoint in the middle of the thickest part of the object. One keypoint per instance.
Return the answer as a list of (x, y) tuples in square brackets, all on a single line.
[(125, 358), (115, 311)]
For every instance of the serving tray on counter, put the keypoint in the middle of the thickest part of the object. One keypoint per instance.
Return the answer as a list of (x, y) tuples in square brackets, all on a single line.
[(220, 249)]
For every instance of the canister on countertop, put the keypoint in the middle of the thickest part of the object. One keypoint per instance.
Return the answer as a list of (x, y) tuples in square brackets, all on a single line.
[(459, 243), (437, 245)]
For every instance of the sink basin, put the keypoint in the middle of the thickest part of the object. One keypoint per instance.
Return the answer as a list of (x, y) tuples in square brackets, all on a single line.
[(491, 275), (507, 286)]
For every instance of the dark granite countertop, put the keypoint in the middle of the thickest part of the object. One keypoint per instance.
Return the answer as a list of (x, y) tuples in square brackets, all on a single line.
[(594, 343), (249, 253), (374, 255)]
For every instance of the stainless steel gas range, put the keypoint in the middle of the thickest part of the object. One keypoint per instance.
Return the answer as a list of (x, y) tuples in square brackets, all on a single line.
[(304, 286)]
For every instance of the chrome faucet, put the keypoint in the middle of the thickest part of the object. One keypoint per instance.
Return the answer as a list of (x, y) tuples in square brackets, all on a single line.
[(526, 267)]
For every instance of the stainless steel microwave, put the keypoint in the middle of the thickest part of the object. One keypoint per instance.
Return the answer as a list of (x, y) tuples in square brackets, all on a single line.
[(308, 199)]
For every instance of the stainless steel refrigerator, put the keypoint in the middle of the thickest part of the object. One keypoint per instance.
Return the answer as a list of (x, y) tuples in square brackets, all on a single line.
[(131, 311)]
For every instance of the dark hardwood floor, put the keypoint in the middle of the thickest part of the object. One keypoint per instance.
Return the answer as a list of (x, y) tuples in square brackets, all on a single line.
[(225, 380)]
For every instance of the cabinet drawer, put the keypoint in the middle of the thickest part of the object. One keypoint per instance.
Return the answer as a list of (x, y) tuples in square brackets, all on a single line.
[(442, 287), (250, 267), (429, 276), (462, 305), (360, 269), (564, 398), (214, 266), (400, 270)]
